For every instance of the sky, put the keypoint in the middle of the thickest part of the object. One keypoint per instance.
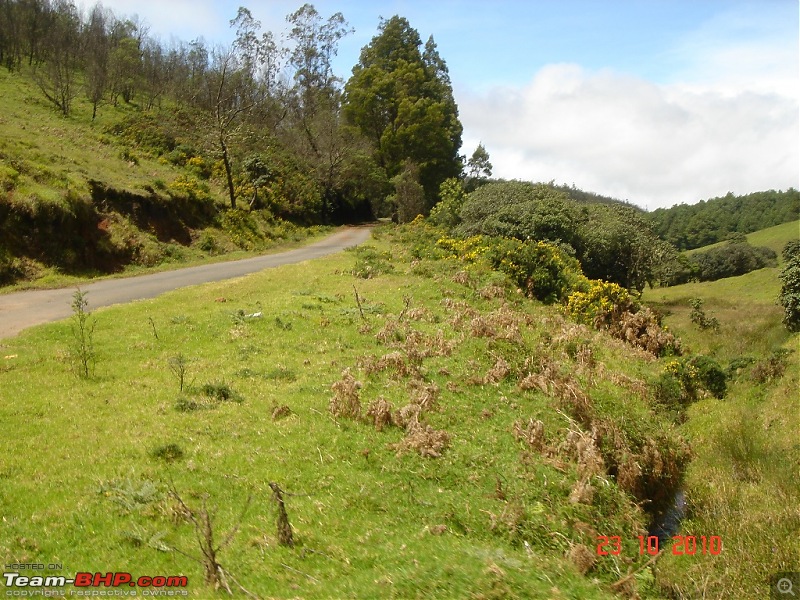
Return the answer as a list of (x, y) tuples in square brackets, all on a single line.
[(658, 102)]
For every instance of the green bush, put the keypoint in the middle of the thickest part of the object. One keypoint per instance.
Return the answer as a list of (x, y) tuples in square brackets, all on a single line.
[(540, 269), (789, 297), (710, 375), (370, 262), (737, 257)]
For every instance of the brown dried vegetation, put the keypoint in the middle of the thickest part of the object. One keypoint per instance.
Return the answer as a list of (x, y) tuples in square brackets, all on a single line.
[(346, 402)]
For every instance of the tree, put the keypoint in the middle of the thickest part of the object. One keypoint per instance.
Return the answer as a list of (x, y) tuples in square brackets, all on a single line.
[(97, 50), (479, 169), (402, 101), (408, 199), (235, 89), (57, 76), (318, 132)]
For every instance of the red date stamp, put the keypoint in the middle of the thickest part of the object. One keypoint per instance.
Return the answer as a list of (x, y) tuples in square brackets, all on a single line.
[(682, 545)]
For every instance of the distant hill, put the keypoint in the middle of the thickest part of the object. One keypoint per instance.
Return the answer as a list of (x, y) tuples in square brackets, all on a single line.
[(709, 221)]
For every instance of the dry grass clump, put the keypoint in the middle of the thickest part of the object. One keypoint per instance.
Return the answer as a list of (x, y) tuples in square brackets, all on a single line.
[(582, 557), (425, 395), (582, 492), (641, 329), (635, 386), (407, 415), (498, 372), (462, 313), (492, 291), (380, 411), (424, 439), (391, 331), (532, 433), (346, 402), (480, 326), (582, 447), (395, 361), (462, 278), (279, 412)]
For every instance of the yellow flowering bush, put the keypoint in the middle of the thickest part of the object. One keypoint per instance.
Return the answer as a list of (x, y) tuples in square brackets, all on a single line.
[(543, 271), (467, 249), (598, 302)]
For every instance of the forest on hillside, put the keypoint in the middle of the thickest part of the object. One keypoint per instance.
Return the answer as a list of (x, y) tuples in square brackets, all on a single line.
[(269, 118), (710, 221)]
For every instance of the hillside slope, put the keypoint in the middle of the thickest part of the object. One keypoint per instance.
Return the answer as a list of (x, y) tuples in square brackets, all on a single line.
[(81, 197), (436, 434)]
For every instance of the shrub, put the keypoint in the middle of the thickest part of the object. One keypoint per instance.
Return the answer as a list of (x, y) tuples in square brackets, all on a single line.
[(789, 297), (609, 306), (710, 375), (370, 262), (737, 257), (699, 317), (596, 304), (447, 211), (540, 269)]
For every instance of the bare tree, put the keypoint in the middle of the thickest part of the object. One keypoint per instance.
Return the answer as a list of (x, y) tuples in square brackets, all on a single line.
[(57, 76)]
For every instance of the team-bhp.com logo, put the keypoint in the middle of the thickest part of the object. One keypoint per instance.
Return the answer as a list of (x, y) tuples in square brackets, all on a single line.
[(94, 584)]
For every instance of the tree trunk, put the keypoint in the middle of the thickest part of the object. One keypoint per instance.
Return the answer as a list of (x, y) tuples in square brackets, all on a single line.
[(226, 161)]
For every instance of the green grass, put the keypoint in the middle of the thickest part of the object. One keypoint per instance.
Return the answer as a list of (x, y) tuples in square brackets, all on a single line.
[(774, 238), (743, 483), (86, 465)]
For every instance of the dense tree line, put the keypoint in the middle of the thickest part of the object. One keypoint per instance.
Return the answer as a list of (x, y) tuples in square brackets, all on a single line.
[(711, 221), (612, 241), (282, 130)]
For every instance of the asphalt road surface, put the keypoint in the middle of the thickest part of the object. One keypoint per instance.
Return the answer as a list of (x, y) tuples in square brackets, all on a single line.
[(21, 310)]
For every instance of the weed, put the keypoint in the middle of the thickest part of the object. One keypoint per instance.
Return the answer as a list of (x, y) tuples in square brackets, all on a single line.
[(178, 365), (130, 495), (83, 324), (370, 262), (699, 317), (771, 368), (168, 452), (346, 402), (221, 392), (215, 575), (285, 537)]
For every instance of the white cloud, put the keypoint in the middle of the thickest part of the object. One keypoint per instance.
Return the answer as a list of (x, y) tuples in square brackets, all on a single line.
[(725, 120)]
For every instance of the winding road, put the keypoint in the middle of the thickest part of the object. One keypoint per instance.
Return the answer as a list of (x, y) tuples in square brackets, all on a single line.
[(20, 310)]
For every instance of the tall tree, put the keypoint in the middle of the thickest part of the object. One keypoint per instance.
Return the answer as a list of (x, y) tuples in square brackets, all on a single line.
[(479, 169), (57, 76), (97, 49), (236, 88), (318, 133), (401, 99)]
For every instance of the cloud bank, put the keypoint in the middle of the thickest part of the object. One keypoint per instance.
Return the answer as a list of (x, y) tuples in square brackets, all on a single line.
[(726, 120)]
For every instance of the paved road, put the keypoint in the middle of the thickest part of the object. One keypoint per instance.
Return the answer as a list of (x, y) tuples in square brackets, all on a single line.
[(25, 309)]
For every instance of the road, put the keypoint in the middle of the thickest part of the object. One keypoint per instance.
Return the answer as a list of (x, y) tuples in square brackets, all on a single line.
[(21, 310)]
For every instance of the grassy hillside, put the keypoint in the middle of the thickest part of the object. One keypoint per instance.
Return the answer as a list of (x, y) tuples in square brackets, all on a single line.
[(81, 198), (774, 238), (436, 434), (743, 483)]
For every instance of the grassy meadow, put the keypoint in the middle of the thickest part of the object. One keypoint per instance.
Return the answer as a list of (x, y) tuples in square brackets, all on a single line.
[(743, 483), (495, 490), (435, 434)]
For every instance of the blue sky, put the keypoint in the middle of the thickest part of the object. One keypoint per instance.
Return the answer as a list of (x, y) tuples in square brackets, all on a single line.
[(654, 101)]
